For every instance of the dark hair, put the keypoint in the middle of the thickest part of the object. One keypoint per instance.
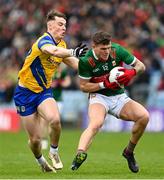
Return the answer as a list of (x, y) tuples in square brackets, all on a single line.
[(101, 38), (52, 14)]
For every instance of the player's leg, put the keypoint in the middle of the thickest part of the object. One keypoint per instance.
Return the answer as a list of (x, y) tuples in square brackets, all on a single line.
[(97, 113), (44, 126), (48, 110), (31, 125), (137, 113), (26, 103)]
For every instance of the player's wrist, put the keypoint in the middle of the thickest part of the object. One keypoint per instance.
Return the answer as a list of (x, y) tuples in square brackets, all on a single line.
[(101, 85), (71, 51)]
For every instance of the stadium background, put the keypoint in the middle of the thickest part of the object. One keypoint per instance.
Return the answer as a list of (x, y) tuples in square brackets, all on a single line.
[(138, 25)]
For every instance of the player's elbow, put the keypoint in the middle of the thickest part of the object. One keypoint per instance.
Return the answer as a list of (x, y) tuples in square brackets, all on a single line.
[(142, 68), (83, 88), (58, 53)]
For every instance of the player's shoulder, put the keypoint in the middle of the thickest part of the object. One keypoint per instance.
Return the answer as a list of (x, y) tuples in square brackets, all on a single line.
[(116, 45), (44, 36), (88, 59), (45, 39), (117, 48)]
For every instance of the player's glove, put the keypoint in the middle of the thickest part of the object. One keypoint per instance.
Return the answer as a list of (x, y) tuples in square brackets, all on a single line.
[(110, 85), (126, 77), (104, 82), (80, 50)]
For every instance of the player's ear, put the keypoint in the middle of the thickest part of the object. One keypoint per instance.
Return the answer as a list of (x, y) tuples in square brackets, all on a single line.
[(93, 45), (49, 25)]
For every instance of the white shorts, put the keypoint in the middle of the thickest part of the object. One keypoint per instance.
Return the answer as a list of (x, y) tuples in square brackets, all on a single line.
[(112, 104), (60, 106)]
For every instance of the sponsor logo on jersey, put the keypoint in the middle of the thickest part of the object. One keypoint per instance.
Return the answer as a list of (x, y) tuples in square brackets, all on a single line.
[(96, 70), (53, 62)]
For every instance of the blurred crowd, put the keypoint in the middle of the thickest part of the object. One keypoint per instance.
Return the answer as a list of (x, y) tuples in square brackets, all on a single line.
[(138, 25)]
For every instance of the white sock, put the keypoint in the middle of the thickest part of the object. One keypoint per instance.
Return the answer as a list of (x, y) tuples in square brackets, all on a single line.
[(53, 150), (41, 160)]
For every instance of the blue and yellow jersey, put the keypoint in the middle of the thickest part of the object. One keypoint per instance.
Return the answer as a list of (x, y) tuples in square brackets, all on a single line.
[(38, 69)]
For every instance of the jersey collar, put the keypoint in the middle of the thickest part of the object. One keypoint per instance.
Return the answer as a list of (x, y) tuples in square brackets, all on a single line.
[(52, 38), (94, 55), (97, 57)]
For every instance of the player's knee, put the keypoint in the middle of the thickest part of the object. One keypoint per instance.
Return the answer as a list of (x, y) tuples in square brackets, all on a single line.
[(55, 121), (95, 128), (144, 118), (35, 141)]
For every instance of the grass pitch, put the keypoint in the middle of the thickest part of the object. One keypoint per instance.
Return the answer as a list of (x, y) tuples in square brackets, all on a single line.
[(104, 157)]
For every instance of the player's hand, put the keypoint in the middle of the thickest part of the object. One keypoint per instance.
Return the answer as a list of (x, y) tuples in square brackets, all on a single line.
[(126, 77), (110, 85), (80, 50)]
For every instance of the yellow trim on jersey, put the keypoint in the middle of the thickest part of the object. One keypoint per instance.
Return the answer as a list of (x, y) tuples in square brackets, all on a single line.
[(38, 69)]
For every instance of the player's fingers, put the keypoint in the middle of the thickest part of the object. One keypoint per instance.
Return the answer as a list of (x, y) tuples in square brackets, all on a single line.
[(121, 80), (85, 49), (79, 45), (82, 54), (121, 77), (114, 85), (121, 69), (82, 46)]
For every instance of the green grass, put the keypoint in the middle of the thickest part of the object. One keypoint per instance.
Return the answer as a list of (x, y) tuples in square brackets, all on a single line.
[(104, 157)]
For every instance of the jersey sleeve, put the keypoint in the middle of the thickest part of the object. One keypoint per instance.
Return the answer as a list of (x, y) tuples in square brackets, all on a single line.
[(84, 70), (46, 40), (126, 56)]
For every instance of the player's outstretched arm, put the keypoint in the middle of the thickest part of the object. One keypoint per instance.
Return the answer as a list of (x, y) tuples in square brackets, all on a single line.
[(79, 51), (71, 62)]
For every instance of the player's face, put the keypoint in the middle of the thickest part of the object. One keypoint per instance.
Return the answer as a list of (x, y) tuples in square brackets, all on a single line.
[(102, 51), (57, 28)]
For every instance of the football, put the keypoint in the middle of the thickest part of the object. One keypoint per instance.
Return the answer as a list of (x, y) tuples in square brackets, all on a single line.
[(114, 73)]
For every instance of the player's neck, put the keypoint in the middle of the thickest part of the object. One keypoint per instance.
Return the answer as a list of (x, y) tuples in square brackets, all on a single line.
[(57, 40)]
